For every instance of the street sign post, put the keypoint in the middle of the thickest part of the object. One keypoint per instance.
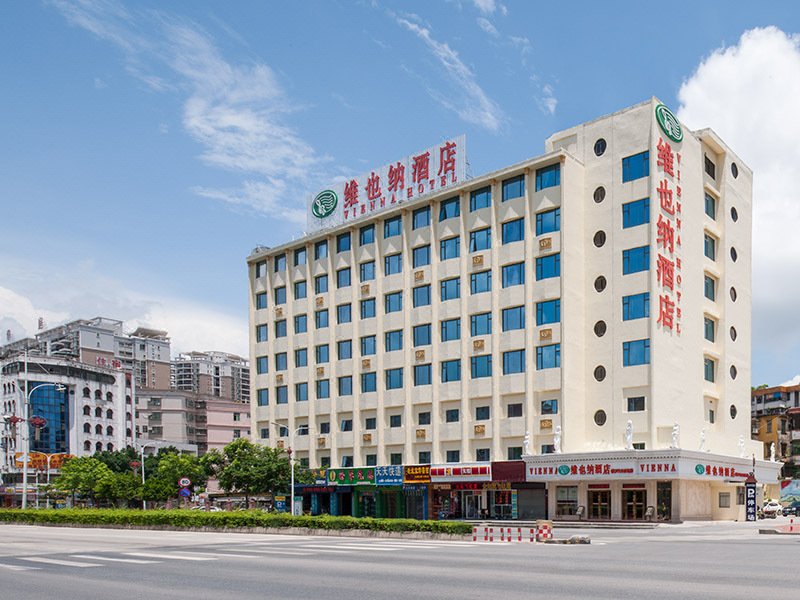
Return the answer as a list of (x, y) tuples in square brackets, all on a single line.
[(185, 492), (750, 497), (184, 482)]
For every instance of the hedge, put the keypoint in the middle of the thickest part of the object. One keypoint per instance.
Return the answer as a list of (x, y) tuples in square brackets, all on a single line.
[(180, 518)]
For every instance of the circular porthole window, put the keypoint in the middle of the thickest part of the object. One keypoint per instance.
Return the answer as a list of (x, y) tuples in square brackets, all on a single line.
[(600, 239), (600, 328), (600, 147), (734, 170), (734, 412), (733, 333), (600, 418), (733, 294), (734, 214), (600, 283), (734, 372), (599, 194), (734, 254), (599, 373)]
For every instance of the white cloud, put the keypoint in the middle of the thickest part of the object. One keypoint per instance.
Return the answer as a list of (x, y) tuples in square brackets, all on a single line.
[(487, 7), (547, 101), (749, 93), (268, 197), (487, 26)]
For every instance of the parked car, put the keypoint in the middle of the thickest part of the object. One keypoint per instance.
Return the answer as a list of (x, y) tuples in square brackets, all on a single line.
[(790, 511), (772, 509)]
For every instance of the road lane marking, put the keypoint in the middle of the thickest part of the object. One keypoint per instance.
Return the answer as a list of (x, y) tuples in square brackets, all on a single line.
[(169, 556), (18, 567), (135, 561), (349, 547), (285, 552), (56, 561)]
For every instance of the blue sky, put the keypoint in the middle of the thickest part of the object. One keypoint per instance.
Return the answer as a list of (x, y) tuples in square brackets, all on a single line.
[(146, 150)]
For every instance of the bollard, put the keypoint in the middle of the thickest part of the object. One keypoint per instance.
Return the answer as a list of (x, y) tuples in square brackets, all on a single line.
[(485, 533), (491, 534), (544, 530), (474, 534), (509, 534), (502, 534), (532, 538), (519, 534)]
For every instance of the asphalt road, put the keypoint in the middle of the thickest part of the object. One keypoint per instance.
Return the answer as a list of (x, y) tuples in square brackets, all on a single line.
[(716, 560)]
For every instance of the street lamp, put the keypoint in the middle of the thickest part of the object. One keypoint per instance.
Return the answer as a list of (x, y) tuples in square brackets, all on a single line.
[(26, 438), (291, 460), (141, 448)]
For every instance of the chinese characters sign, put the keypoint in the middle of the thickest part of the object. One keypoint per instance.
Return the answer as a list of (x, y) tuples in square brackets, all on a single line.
[(446, 473), (391, 475), (417, 474), (352, 476), (412, 177)]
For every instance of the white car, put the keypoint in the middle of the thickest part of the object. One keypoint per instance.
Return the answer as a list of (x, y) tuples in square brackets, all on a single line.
[(772, 509)]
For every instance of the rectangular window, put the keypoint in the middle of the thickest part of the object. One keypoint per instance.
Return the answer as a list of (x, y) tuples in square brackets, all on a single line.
[(325, 461), (710, 246), (449, 209), (424, 457), (346, 425), (265, 433), (301, 357), (369, 382), (548, 177), (370, 423), (481, 366), (514, 452), (636, 306), (343, 242), (322, 353), (636, 213), (280, 295), (548, 357), (453, 456), (481, 198), (366, 271), (451, 370), (424, 418), (369, 345), (711, 168), (394, 380), (480, 324), (548, 221), (368, 308), (392, 264), (513, 274), (346, 385), (261, 300), (513, 318), (344, 349), (325, 427), (513, 231), (724, 499), (421, 218), (480, 239), (482, 454), (393, 302), (396, 458), (635, 260), (262, 365), (709, 326), (301, 392), (343, 277), (422, 375), (421, 295), (451, 330), (347, 460), (282, 394), (636, 404), (711, 206), (548, 266), (321, 250), (514, 410), (636, 166), (366, 235), (261, 333), (321, 318), (421, 256), (262, 394), (549, 407), (548, 312), (449, 248), (452, 415), (513, 187), (450, 288), (709, 368), (636, 352), (710, 287), (394, 340), (480, 282), (260, 269), (300, 289), (392, 227), (280, 263), (422, 335), (320, 284), (280, 328), (344, 313), (513, 362)]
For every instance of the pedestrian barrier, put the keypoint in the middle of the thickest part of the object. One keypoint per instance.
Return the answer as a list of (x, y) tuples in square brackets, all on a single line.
[(544, 530), (514, 534)]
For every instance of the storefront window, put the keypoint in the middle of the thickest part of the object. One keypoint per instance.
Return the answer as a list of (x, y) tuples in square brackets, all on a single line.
[(664, 500), (566, 500)]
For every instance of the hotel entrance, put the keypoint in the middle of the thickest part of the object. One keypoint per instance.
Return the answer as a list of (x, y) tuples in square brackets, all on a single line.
[(634, 502), (599, 504)]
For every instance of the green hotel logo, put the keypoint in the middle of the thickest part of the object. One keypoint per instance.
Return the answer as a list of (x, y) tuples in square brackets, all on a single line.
[(669, 123), (563, 470), (324, 204), (699, 469)]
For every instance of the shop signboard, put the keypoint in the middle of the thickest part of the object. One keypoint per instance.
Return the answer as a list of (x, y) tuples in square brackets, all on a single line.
[(320, 476), (455, 473), (390, 475), (750, 498), (352, 476), (417, 474)]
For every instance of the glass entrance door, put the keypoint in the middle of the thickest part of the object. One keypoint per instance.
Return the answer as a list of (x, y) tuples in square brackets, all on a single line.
[(600, 504), (633, 504), (472, 505)]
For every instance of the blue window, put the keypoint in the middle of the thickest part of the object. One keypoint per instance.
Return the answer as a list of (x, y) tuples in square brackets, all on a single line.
[(262, 365), (280, 263), (394, 379), (368, 308), (513, 318), (346, 385), (281, 362), (513, 362), (368, 345), (481, 198), (344, 349), (300, 289), (344, 313), (480, 282), (709, 287), (449, 248), (513, 274), (514, 187), (322, 354), (421, 218), (343, 242), (369, 382), (711, 206), (367, 270), (343, 277), (481, 366), (421, 256), (548, 221), (480, 239), (260, 269), (300, 323), (261, 333), (550, 407), (280, 295), (451, 370), (392, 263), (548, 177), (451, 329), (636, 352), (301, 392), (636, 166), (636, 306), (636, 213), (393, 302), (321, 250), (392, 227), (320, 284), (282, 394), (548, 266), (301, 357), (280, 328), (262, 394), (548, 357), (422, 295), (300, 257), (449, 209), (635, 260), (324, 388), (366, 235), (394, 340), (450, 288), (513, 231), (710, 246), (321, 318), (480, 324), (548, 312), (422, 335), (422, 375), (261, 300), (709, 368)]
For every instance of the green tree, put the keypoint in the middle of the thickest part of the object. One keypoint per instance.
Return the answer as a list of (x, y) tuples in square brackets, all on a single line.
[(85, 476), (250, 469), (172, 466), (119, 461)]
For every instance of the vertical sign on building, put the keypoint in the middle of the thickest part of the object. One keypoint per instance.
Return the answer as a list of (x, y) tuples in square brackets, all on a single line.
[(669, 223), (750, 498)]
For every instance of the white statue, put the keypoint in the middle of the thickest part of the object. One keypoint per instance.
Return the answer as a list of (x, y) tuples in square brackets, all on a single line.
[(703, 440), (526, 444), (772, 452), (629, 435), (557, 440), (741, 446), (676, 434)]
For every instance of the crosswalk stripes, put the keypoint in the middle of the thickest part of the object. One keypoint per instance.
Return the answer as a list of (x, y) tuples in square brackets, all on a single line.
[(18, 567), (58, 561), (165, 556), (269, 551), (134, 561)]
